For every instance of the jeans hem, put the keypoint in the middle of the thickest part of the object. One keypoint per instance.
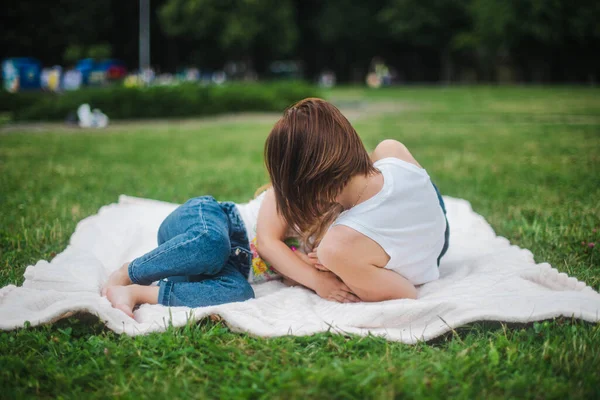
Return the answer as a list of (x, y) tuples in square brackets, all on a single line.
[(164, 292), (132, 276)]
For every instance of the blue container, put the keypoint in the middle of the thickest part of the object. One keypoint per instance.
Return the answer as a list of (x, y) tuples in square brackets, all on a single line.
[(26, 71), (85, 66)]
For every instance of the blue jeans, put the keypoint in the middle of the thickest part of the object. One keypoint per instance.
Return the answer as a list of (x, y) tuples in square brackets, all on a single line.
[(447, 232), (202, 259)]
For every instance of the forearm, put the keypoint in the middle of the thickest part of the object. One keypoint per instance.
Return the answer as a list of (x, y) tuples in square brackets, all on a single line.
[(379, 284), (282, 259)]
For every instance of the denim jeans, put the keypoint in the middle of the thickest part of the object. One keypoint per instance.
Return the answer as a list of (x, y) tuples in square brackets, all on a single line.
[(447, 232), (202, 259)]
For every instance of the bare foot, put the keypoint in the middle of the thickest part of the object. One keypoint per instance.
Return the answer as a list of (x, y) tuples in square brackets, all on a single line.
[(119, 277), (122, 297)]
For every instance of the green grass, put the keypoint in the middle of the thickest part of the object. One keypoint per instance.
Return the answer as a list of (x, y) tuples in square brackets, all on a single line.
[(528, 159)]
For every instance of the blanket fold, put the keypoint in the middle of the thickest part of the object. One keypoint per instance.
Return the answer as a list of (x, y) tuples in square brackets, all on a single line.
[(482, 278)]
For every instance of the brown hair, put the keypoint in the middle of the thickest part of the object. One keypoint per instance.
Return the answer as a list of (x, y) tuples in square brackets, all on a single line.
[(311, 154)]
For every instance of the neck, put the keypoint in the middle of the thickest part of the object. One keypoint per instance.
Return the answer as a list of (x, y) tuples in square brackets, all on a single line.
[(367, 185)]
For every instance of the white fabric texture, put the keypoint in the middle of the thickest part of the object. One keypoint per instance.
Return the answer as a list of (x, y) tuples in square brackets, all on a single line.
[(249, 213), (482, 278)]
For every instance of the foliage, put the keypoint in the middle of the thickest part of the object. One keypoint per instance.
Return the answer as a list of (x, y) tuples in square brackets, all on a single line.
[(560, 37), (73, 53), (183, 100), (234, 26), (422, 23), (99, 51)]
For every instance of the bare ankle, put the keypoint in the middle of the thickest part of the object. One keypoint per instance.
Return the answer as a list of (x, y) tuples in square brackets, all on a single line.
[(125, 272), (145, 294)]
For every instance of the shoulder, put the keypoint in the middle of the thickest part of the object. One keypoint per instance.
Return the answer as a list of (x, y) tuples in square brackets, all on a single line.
[(270, 224), (393, 148)]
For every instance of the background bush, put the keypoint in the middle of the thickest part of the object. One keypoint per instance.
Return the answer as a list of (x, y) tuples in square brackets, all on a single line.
[(186, 100)]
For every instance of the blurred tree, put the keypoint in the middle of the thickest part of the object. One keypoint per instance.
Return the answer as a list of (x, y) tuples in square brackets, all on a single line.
[(533, 33), (431, 24), (233, 29), (99, 51), (72, 53), (348, 35), (45, 29), (541, 40)]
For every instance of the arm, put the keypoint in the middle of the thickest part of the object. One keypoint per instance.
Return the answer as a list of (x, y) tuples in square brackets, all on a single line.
[(342, 252), (270, 233)]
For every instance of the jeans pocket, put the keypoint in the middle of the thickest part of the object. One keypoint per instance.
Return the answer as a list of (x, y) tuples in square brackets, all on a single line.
[(241, 258)]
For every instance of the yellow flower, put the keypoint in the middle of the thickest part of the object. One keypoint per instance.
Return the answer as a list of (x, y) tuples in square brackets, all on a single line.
[(259, 266)]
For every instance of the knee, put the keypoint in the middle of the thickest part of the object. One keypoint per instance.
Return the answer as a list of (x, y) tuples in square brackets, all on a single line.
[(215, 250)]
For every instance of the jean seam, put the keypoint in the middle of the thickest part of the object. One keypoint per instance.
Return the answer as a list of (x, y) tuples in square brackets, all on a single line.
[(202, 234), (175, 247)]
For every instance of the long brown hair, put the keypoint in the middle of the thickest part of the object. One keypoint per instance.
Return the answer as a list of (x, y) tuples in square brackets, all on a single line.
[(311, 154)]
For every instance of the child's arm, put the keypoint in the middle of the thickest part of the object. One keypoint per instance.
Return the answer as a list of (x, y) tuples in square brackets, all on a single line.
[(270, 233)]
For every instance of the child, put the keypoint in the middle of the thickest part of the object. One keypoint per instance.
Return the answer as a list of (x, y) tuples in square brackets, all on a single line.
[(206, 255)]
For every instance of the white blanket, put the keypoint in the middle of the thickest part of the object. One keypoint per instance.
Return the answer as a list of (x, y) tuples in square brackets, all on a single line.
[(483, 278)]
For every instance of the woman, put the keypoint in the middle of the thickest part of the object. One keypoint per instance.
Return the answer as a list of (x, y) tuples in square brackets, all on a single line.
[(377, 222)]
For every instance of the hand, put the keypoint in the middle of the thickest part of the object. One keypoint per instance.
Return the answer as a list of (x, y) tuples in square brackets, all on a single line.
[(330, 287), (314, 260)]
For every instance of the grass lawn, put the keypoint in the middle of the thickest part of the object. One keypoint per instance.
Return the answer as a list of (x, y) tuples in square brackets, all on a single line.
[(528, 159)]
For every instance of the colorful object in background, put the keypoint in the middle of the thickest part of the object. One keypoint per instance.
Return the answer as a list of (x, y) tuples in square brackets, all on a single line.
[(114, 69), (286, 69), (131, 81), (50, 78), (85, 66), (21, 74), (89, 118), (10, 76), (97, 73), (97, 77), (72, 80), (379, 74)]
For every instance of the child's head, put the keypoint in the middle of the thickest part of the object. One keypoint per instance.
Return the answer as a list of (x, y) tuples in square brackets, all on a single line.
[(311, 154)]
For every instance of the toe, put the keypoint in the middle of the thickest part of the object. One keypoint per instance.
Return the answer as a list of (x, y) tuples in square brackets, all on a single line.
[(125, 309)]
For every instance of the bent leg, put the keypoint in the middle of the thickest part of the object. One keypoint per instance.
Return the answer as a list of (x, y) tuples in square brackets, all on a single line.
[(194, 240), (227, 286)]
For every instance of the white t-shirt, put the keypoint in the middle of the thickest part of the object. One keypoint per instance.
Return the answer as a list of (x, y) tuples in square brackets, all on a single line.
[(404, 218), (259, 270)]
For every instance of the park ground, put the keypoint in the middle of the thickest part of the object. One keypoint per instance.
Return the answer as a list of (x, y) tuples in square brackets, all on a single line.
[(528, 159)]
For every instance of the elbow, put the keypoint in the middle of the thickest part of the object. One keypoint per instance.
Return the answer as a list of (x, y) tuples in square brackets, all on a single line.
[(263, 246), (411, 293), (392, 293), (408, 291)]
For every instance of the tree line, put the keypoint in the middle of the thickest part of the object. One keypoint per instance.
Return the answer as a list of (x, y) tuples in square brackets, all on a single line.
[(421, 40)]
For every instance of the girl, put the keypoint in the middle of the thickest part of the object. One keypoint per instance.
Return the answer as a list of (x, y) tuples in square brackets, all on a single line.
[(207, 255)]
